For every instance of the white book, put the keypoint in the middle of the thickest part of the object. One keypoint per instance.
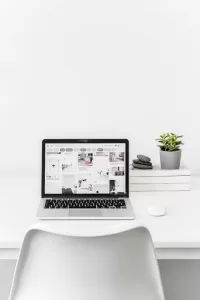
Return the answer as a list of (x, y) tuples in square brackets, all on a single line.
[(160, 179), (157, 171), (159, 187)]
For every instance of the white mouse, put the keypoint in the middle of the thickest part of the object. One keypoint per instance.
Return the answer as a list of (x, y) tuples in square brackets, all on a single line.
[(156, 210)]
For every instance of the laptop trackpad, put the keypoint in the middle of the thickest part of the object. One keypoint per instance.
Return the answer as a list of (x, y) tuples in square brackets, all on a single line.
[(84, 213)]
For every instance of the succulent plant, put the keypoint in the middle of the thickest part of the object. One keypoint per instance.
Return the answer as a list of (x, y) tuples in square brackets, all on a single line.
[(169, 142)]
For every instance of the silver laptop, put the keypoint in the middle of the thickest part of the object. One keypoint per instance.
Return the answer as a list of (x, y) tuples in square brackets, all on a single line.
[(85, 179)]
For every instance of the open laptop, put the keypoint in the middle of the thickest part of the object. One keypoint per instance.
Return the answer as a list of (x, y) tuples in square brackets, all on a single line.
[(85, 179)]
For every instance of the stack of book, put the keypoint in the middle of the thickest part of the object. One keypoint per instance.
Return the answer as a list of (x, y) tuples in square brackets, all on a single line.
[(158, 179)]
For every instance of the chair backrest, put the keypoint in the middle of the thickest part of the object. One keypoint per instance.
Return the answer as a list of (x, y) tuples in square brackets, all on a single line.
[(121, 266)]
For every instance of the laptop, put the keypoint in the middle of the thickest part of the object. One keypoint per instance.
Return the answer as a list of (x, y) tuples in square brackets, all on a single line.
[(85, 179)]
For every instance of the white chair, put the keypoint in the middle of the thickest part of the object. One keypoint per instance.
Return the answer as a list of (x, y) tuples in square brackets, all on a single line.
[(119, 266)]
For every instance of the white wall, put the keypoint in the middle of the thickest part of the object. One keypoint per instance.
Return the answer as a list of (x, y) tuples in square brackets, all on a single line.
[(104, 68)]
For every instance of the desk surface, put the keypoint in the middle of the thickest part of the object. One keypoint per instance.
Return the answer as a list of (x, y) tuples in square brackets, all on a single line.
[(175, 236)]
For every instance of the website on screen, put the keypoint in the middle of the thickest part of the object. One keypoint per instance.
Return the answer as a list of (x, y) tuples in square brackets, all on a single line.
[(85, 169)]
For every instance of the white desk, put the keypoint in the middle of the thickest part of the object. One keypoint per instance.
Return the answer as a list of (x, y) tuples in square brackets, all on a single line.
[(175, 236)]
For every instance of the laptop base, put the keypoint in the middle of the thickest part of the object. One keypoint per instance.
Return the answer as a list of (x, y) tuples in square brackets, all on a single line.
[(86, 214)]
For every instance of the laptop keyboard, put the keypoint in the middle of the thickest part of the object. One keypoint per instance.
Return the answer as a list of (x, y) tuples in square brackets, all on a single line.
[(85, 203)]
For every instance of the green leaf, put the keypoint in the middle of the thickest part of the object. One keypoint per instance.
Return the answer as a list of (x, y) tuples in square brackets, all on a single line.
[(176, 148)]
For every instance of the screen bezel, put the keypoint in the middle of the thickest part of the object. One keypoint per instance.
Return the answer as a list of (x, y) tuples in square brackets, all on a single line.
[(85, 141)]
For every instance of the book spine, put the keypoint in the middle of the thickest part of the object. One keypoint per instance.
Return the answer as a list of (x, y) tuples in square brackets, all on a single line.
[(159, 187), (160, 179), (157, 172)]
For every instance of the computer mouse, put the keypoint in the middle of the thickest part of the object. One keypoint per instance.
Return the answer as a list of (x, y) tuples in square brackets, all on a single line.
[(156, 210)]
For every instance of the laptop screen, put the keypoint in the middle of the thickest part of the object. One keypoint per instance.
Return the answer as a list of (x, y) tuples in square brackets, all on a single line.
[(85, 168)]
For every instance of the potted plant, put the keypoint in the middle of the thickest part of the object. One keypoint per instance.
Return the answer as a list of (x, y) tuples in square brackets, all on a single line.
[(170, 152)]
